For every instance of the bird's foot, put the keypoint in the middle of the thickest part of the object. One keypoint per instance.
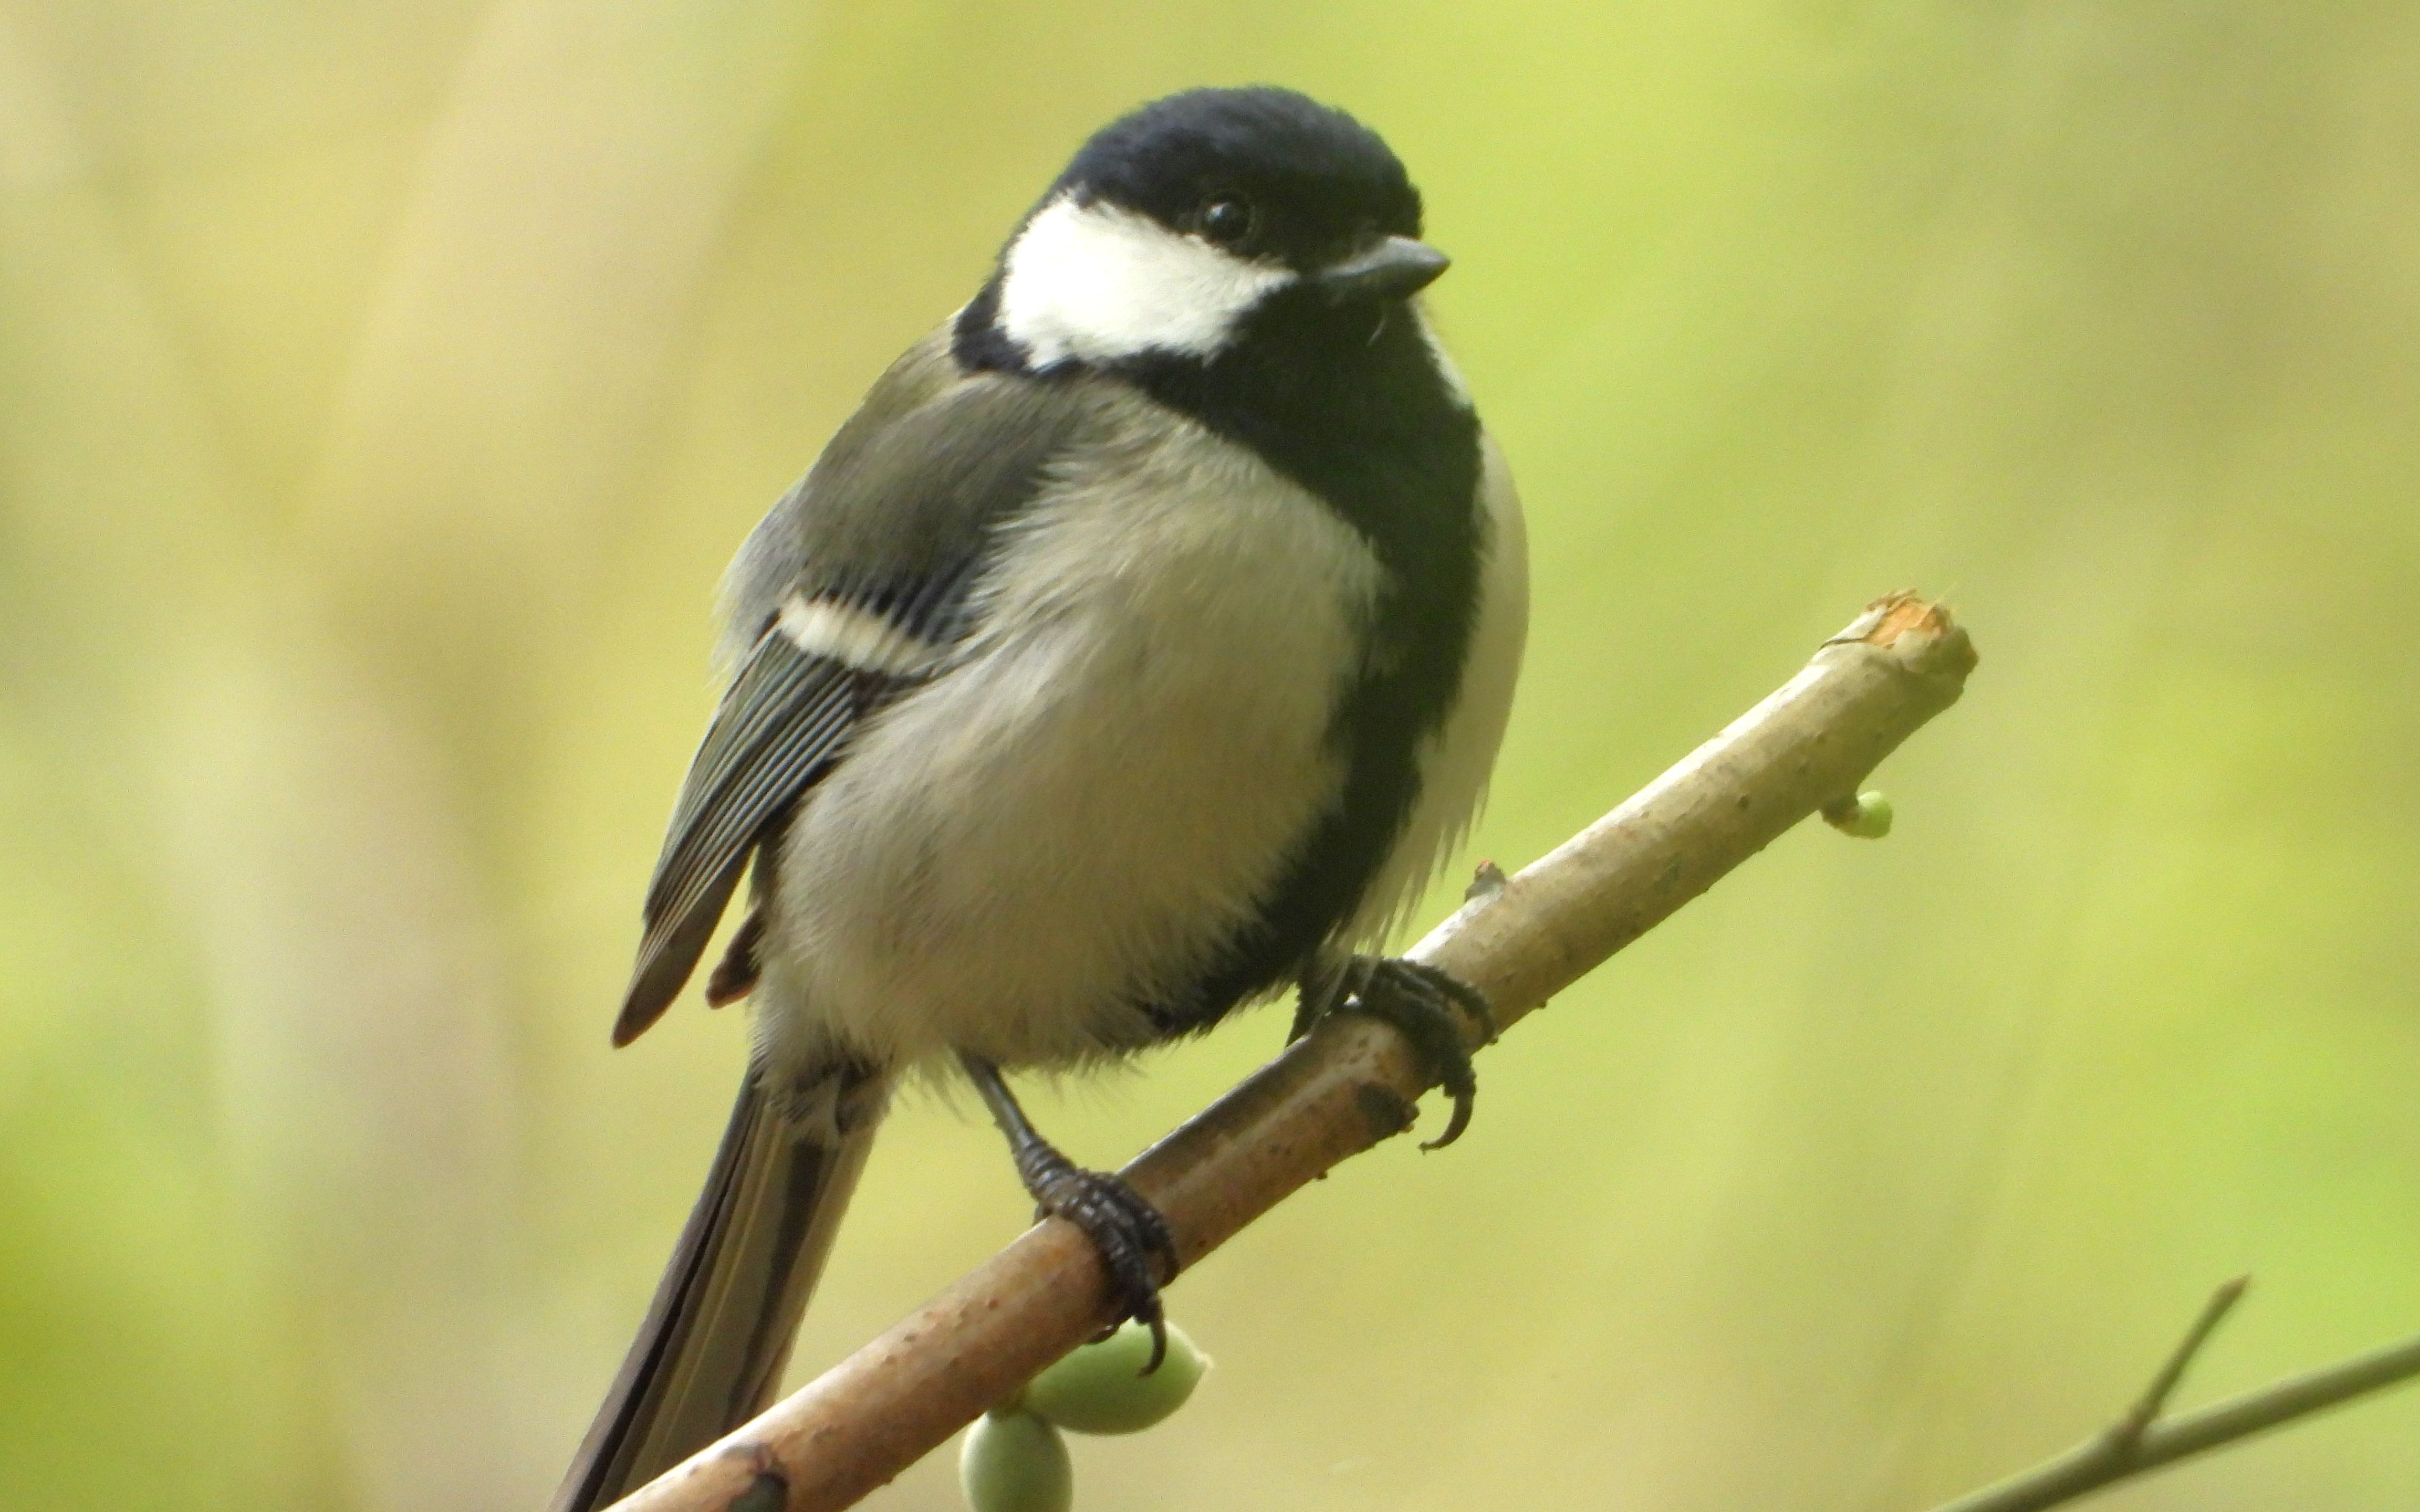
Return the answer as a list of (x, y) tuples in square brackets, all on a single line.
[(1128, 1233), (1427, 1004)]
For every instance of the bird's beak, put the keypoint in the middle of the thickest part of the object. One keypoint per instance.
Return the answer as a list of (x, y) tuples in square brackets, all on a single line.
[(1395, 268)]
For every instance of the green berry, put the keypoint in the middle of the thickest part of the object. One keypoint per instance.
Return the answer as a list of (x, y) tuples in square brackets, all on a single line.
[(1100, 1388), (1867, 816), (1015, 1462)]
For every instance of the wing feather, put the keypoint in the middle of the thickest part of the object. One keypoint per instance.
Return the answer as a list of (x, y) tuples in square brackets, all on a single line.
[(894, 520), (784, 721)]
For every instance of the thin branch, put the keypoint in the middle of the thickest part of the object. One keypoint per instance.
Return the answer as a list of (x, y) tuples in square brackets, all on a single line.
[(2143, 1441), (2126, 1434), (1352, 1083)]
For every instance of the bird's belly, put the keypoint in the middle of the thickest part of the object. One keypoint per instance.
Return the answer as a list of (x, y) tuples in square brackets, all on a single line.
[(1069, 826)]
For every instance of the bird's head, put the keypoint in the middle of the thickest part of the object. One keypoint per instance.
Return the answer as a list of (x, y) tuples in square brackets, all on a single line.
[(1202, 220)]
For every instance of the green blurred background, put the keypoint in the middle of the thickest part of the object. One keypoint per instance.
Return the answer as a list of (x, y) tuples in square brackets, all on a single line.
[(383, 388)]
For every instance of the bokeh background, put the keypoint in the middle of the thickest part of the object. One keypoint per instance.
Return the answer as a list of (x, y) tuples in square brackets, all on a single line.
[(383, 388)]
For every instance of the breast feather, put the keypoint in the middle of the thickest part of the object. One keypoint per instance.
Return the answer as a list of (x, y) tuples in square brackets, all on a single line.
[(1066, 825), (1457, 759)]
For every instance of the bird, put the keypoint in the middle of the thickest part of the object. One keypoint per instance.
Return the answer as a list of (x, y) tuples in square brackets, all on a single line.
[(1136, 651)]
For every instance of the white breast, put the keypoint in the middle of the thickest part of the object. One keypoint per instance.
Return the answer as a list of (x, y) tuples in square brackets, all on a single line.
[(1076, 816)]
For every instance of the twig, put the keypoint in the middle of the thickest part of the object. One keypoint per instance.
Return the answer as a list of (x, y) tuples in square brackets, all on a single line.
[(2126, 1434), (1353, 1082), (2143, 1441)]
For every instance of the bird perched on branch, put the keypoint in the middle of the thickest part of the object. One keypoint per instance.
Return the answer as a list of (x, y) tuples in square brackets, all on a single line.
[(1133, 652)]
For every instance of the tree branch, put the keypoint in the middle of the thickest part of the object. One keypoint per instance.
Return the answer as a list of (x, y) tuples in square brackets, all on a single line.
[(1352, 1083), (2143, 1441)]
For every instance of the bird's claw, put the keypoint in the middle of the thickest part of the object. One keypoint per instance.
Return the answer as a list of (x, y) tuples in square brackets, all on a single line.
[(1128, 1233), (1420, 1000)]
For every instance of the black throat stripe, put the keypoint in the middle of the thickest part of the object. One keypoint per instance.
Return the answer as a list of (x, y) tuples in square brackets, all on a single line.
[(1347, 402)]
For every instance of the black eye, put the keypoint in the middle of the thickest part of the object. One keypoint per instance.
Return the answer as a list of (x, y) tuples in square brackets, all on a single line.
[(1226, 220)]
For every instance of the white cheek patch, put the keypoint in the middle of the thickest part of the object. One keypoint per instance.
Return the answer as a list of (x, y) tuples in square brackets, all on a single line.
[(1096, 282), (856, 639)]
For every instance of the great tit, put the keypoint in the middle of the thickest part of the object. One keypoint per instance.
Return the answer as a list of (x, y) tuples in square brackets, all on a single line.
[(1133, 652)]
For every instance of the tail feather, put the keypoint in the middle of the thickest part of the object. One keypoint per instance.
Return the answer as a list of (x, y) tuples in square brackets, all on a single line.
[(709, 1355)]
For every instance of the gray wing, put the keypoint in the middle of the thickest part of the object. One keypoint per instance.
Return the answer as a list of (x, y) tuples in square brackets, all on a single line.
[(893, 522), (779, 728)]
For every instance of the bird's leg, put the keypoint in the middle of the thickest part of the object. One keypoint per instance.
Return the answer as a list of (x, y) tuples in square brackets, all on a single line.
[(1128, 1233), (1417, 998)]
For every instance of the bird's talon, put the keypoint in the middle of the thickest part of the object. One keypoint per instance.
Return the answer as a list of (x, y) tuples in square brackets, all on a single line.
[(1453, 1126), (1158, 1323), (1421, 1000), (1126, 1231)]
